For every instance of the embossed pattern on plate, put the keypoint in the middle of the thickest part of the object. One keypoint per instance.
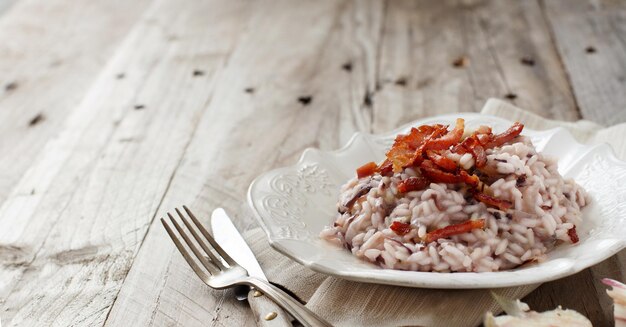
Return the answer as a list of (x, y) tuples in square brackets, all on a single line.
[(293, 204)]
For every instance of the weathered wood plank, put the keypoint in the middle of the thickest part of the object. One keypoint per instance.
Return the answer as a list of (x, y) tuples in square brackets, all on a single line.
[(507, 51), (70, 229), (300, 94), (51, 52), (591, 38)]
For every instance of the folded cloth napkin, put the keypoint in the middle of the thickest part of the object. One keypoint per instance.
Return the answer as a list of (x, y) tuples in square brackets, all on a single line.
[(348, 303)]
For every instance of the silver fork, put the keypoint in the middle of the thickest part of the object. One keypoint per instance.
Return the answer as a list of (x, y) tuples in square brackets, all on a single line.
[(221, 271)]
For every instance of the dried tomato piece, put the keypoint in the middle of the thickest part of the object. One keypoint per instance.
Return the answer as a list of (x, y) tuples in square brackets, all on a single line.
[(506, 136), (412, 184), (451, 138), (386, 168), (441, 161), (573, 236), (366, 170), (454, 230), (492, 202), (400, 228)]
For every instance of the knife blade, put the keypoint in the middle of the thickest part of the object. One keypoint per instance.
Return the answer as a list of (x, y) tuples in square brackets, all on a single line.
[(229, 238)]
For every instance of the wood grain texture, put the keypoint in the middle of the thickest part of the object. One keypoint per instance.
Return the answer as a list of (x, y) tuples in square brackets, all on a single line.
[(113, 113), (591, 38), (422, 40), (288, 65), (52, 51), (68, 245)]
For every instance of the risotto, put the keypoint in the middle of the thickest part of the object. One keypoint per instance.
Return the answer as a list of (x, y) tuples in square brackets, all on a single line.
[(449, 201)]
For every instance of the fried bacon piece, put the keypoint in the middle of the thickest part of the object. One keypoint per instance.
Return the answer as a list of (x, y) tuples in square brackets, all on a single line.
[(492, 202), (472, 145), (400, 228), (366, 170), (441, 161), (454, 230), (386, 168), (471, 180), (413, 184), (433, 173), (573, 236), (407, 149), (451, 138), (506, 136), (402, 155)]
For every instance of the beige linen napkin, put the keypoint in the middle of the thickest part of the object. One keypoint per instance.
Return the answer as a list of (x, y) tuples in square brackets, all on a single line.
[(347, 303)]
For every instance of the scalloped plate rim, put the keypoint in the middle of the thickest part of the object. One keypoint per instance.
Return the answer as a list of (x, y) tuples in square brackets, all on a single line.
[(361, 276)]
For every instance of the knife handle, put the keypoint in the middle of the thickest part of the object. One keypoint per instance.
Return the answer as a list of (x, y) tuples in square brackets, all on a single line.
[(262, 307), (289, 304)]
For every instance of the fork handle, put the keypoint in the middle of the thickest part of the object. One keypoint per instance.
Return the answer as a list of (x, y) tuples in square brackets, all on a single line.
[(289, 304)]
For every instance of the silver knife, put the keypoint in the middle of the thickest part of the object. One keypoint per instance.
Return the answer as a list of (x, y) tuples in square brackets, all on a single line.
[(227, 235)]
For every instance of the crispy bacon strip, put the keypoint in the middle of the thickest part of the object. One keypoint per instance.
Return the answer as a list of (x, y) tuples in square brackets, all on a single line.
[(454, 230), (407, 149), (471, 180), (506, 136), (366, 170), (441, 161), (573, 236), (472, 145), (413, 184), (400, 228), (451, 138), (402, 155), (492, 202), (386, 168), (433, 173)]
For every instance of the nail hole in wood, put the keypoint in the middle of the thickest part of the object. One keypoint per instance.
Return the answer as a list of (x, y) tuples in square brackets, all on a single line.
[(198, 72), (36, 120), (139, 106), (528, 61), (347, 66), (590, 49), (511, 96), (461, 62), (401, 81), (10, 87), (367, 99), (249, 90), (305, 100)]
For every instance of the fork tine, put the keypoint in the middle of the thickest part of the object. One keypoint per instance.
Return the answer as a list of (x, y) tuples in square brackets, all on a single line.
[(208, 265), (211, 240), (194, 266), (202, 243)]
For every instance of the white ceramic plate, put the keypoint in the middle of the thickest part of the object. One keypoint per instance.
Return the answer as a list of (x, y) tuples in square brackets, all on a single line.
[(294, 203)]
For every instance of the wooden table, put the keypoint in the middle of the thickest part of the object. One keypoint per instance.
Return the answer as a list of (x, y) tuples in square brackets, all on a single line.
[(114, 112)]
